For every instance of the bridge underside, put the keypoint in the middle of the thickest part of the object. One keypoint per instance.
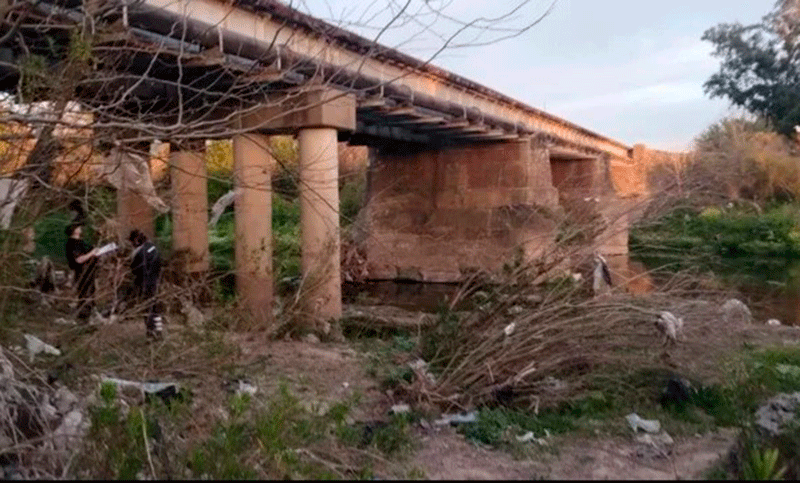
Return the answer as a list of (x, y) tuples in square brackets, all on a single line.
[(451, 189)]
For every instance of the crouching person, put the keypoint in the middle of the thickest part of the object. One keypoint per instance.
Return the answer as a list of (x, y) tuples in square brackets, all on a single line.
[(146, 268)]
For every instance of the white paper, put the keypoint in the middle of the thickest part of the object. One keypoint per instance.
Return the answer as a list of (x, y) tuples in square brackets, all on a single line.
[(106, 249)]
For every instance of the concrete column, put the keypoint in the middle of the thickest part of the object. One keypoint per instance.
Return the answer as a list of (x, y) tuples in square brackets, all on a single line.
[(133, 211), (319, 218), (253, 166), (190, 207)]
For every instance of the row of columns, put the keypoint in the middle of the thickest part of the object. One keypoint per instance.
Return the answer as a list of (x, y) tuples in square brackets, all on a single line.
[(315, 116), (253, 167)]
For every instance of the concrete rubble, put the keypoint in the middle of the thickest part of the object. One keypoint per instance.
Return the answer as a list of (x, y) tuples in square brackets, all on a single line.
[(777, 413), (40, 425)]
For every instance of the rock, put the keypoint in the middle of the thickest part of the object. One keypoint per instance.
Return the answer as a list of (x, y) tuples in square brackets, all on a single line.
[(774, 322), (37, 346), (659, 440), (647, 425), (71, 429), (64, 400), (776, 413), (735, 312)]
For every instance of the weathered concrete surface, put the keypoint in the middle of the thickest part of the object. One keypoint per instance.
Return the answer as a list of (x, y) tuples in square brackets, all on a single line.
[(319, 219), (253, 166), (434, 215), (190, 208)]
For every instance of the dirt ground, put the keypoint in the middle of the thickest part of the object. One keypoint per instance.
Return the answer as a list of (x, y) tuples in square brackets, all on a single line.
[(321, 373)]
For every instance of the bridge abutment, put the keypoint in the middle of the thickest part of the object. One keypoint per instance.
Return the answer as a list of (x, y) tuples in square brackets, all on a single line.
[(437, 214)]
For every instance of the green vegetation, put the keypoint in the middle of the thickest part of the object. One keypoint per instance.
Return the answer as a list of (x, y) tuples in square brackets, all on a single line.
[(276, 438), (729, 241)]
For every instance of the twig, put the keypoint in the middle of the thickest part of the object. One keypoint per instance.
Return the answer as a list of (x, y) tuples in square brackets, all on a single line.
[(146, 444)]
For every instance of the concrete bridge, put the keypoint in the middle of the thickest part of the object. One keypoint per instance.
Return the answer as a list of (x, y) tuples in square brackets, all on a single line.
[(461, 177)]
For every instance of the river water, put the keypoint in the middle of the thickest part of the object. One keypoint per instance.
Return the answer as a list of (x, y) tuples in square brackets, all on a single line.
[(766, 300)]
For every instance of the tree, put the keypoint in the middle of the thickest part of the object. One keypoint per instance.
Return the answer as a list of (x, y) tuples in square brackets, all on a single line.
[(760, 69)]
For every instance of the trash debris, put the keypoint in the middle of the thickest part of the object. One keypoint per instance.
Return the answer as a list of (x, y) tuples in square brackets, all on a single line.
[(774, 322), (37, 346), (194, 318), (63, 321), (509, 329), (735, 312), (420, 368), (646, 425), (529, 437), (400, 409), (37, 420), (98, 319), (221, 204), (165, 390), (245, 387), (456, 419), (677, 392), (670, 326)]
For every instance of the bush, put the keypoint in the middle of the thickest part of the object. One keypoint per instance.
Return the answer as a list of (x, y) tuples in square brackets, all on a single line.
[(730, 241)]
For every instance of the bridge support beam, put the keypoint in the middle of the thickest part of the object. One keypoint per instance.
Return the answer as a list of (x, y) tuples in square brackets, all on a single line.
[(253, 165), (190, 207), (315, 115), (319, 218)]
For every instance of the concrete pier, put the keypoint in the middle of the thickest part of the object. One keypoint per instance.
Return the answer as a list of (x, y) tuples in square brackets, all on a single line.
[(319, 218), (190, 207), (253, 165)]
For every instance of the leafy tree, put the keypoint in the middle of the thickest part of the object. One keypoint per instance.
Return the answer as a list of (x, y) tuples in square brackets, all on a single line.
[(760, 69)]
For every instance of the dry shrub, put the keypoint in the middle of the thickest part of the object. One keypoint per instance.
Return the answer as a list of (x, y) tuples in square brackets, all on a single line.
[(561, 332)]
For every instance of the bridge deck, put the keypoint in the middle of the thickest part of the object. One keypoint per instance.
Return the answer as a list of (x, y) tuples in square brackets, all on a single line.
[(252, 28)]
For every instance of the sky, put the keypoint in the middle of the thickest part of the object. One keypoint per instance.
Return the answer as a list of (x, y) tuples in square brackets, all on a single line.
[(632, 70)]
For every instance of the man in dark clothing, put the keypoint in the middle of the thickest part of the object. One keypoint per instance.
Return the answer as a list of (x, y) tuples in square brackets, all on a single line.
[(146, 268), (82, 259)]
